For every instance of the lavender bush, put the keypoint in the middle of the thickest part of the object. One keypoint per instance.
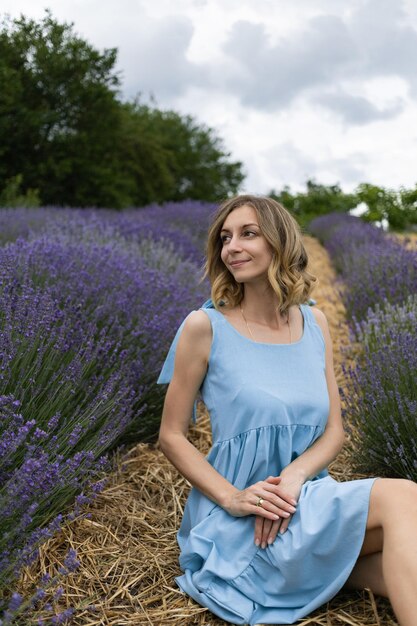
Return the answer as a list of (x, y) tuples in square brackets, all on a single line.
[(136, 305), (378, 273), (374, 267), (89, 308), (183, 225), (382, 398), (380, 277), (15, 223), (45, 600)]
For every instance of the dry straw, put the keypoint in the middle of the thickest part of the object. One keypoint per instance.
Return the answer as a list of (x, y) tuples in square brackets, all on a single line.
[(127, 548), (409, 240)]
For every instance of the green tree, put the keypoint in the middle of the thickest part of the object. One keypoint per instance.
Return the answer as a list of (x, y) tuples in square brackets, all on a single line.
[(316, 200), (11, 195), (172, 157), (376, 199), (64, 130), (409, 203), (397, 207), (59, 114)]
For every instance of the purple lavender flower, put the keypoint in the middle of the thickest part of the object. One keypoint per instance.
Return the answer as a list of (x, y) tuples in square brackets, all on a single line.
[(380, 294), (90, 302), (15, 602), (382, 396), (71, 562), (375, 268), (64, 617)]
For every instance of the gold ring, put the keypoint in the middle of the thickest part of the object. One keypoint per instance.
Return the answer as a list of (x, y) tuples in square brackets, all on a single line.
[(260, 501)]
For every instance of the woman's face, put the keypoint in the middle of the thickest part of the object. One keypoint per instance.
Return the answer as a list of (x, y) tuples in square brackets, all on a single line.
[(245, 251)]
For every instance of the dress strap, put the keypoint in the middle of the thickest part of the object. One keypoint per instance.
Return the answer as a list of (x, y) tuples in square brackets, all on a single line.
[(310, 319), (307, 313)]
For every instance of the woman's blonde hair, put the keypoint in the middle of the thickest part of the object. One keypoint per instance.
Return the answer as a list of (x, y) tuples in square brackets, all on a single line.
[(287, 273)]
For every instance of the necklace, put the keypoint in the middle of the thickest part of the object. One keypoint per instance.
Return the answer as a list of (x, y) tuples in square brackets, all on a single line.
[(276, 312)]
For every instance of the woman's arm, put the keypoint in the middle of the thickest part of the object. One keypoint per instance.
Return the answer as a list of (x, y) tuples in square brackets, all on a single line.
[(191, 361)]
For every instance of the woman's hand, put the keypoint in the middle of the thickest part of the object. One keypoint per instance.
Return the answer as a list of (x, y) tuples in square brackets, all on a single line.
[(266, 529), (276, 502)]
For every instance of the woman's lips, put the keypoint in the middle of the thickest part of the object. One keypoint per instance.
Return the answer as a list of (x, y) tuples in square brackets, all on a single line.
[(237, 263)]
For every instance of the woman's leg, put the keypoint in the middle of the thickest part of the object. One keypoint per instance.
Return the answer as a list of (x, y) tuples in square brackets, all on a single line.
[(368, 569), (368, 573), (392, 521)]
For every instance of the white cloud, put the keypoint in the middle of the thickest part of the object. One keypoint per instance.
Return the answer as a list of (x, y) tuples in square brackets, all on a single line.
[(323, 89), (357, 109)]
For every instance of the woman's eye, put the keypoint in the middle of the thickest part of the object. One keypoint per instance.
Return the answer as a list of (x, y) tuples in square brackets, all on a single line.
[(245, 233)]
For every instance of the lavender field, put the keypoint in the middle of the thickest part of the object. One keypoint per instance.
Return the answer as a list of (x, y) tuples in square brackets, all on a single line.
[(379, 275), (90, 300)]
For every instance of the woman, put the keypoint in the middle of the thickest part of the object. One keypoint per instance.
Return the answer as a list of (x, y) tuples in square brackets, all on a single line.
[(267, 535)]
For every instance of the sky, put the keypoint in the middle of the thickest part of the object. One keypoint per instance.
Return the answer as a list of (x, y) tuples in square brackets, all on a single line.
[(295, 89)]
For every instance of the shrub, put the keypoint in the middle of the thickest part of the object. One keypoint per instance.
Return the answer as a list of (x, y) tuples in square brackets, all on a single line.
[(373, 266), (86, 320), (12, 196), (382, 398)]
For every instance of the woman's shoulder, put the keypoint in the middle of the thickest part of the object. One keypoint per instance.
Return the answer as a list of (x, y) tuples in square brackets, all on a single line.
[(197, 326), (319, 316)]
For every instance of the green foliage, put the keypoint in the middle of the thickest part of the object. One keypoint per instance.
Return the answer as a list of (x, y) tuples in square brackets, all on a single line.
[(64, 130), (376, 200), (57, 104), (12, 196), (408, 199), (399, 208), (317, 200), (170, 157)]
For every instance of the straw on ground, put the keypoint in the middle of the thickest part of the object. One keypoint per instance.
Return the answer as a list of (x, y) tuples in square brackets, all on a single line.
[(127, 548)]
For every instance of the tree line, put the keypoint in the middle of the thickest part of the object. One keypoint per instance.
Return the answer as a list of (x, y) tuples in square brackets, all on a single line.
[(66, 137), (397, 207)]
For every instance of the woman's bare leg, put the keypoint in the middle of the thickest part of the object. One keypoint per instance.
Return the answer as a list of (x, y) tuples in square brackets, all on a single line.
[(392, 518), (368, 573), (368, 569)]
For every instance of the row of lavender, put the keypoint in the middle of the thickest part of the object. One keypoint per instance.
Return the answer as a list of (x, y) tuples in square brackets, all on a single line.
[(380, 293), (89, 302)]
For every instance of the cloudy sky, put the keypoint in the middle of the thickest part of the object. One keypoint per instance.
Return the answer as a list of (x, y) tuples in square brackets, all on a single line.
[(297, 89)]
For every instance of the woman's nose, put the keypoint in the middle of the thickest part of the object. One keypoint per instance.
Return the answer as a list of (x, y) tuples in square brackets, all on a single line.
[(234, 243)]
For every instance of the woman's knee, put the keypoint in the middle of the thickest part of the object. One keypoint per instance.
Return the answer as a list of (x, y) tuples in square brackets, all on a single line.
[(390, 495), (405, 490)]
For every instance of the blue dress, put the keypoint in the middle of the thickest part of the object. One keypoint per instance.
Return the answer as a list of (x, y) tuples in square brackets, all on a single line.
[(267, 403)]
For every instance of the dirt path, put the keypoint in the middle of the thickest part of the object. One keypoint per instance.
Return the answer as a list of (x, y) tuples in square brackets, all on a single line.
[(409, 240), (128, 550)]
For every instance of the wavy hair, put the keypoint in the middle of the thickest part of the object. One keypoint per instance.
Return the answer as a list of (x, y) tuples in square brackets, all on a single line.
[(287, 274)]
